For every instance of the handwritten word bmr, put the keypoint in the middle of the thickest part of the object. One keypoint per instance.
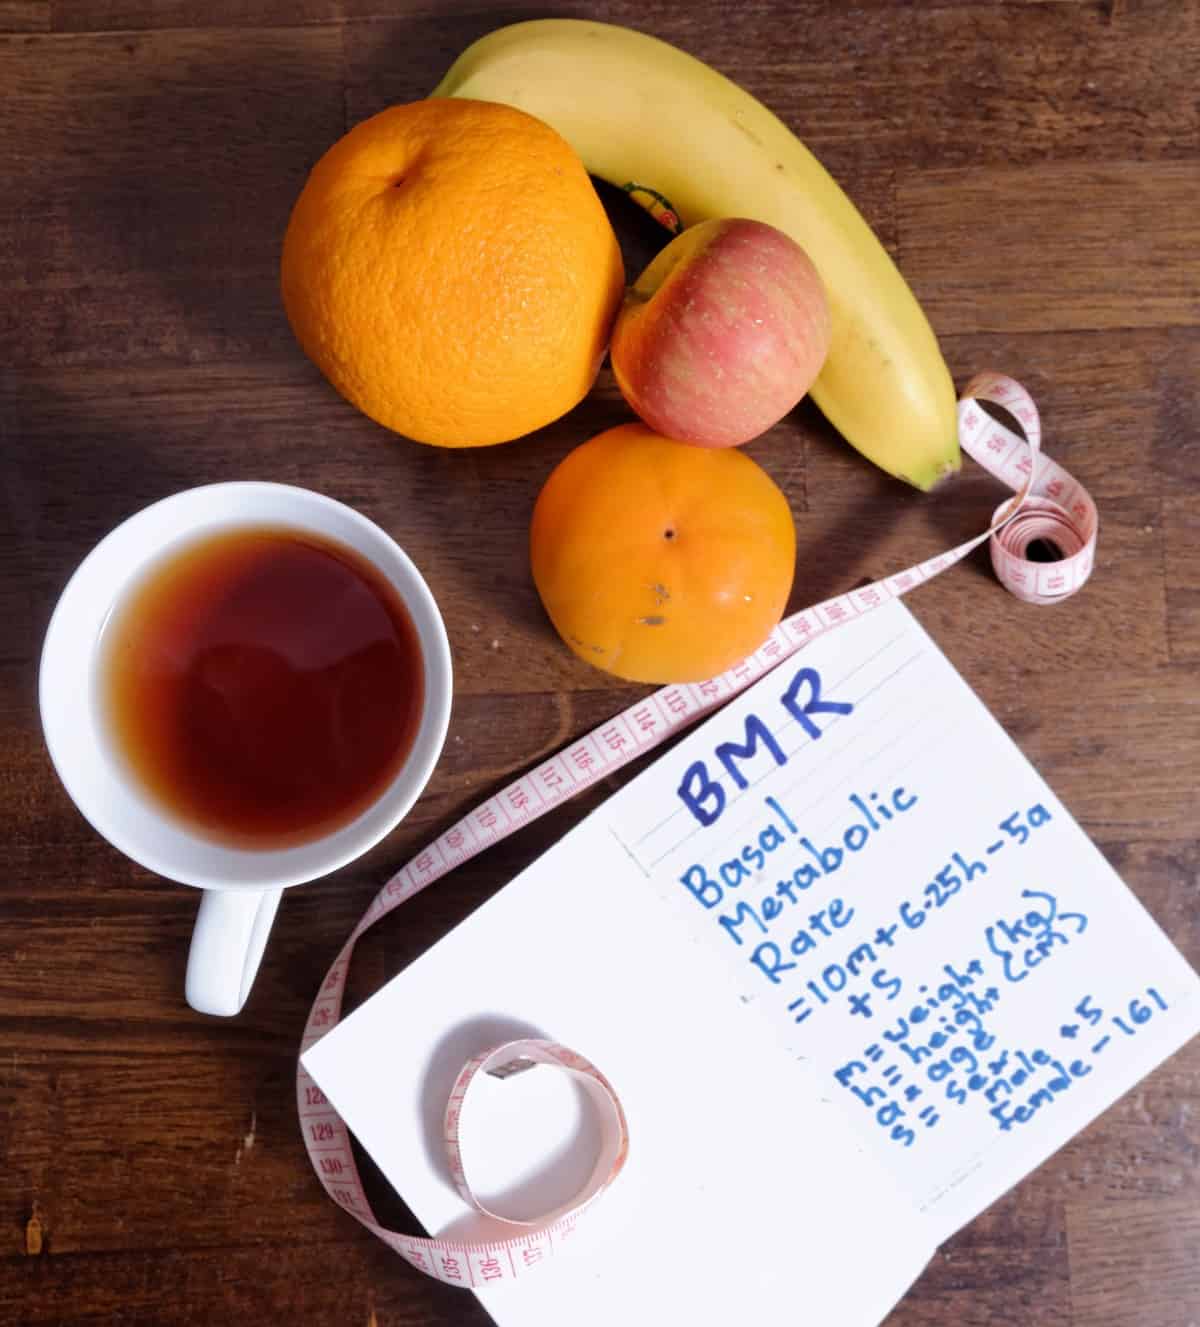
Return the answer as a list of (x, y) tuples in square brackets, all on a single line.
[(703, 795)]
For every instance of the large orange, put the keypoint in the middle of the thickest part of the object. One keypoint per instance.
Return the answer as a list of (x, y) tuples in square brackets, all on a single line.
[(659, 561), (451, 270)]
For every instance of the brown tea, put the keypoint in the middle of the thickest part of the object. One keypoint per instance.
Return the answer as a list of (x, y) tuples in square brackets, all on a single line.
[(263, 685)]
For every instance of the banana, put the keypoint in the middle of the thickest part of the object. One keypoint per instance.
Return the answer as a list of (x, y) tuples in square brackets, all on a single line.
[(683, 139)]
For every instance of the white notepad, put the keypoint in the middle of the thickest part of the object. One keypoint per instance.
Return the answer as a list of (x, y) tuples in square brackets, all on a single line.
[(852, 968)]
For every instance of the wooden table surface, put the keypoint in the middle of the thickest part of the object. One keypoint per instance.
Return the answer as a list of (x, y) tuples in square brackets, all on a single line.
[(1035, 168)]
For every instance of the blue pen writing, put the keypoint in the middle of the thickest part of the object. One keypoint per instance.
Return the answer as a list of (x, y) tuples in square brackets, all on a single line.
[(1027, 940), (700, 792)]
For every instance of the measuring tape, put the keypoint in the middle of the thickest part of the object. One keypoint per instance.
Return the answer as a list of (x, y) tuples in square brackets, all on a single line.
[(1048, 506)]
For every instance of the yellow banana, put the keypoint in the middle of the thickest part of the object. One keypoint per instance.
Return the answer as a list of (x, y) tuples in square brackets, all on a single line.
[(681, 137)]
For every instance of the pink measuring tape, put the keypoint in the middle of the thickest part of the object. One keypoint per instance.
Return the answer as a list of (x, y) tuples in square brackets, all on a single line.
[(1048, 505)]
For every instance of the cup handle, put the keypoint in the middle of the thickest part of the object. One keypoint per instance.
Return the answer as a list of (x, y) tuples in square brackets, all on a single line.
[(227, 946)]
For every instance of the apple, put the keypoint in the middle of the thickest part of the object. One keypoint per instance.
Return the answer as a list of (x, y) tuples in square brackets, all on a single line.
[(722, 334)]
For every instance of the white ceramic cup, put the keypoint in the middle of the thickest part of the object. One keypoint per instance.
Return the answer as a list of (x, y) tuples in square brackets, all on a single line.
[(242, 887)]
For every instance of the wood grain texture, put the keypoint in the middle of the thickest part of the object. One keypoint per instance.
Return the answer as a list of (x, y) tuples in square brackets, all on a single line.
[(240, 1283), (981, 1283), (1181, 526), (99, 15), (1150, 1261), (965, 245), (1035, 168), (148, 178), (24, 15)]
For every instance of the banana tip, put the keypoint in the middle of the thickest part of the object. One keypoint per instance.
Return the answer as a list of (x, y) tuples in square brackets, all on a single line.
[(938, 479)]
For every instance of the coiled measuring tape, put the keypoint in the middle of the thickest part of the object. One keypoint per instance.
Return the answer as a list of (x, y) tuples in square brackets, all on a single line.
[(1048, 506)]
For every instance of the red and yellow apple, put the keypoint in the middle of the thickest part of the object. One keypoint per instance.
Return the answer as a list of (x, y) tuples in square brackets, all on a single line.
[(722, 334)]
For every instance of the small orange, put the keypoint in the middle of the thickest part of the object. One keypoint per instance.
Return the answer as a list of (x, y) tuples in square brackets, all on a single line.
[(450, 269), (659, 561)]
